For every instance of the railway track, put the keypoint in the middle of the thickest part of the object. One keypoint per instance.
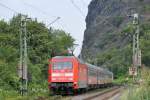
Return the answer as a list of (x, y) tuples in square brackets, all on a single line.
[(99, 95)]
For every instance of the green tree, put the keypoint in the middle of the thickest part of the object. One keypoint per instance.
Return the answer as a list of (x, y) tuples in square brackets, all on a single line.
[(42, 44)]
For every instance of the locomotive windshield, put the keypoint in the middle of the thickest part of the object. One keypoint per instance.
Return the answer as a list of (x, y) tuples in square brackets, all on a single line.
[(62, 65)]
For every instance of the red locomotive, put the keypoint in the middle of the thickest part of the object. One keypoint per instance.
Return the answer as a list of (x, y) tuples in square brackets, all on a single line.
[(70, 74)]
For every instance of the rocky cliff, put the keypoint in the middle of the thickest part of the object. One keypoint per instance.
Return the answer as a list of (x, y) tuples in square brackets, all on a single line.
[(105, 20)]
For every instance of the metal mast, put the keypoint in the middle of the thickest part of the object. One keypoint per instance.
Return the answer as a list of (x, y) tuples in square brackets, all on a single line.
[(23, 56), (136, 58), (136, 49)]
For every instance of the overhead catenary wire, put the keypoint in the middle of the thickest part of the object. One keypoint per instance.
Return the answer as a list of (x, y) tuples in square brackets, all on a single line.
[(57, 18), (63, 25), (43, 12), (12, 10), (5, 6), (37, 9), (53, 21), (78, 8)]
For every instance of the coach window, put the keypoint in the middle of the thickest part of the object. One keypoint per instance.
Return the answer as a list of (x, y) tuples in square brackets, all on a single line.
[(57, 65), (62, 65), (67, 65)]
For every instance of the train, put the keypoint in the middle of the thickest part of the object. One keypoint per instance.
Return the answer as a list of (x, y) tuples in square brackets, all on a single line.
[(69, 74)]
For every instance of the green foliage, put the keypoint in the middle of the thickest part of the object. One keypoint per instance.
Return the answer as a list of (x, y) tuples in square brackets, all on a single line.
[(129, 29), (121, 80), (7, 70), (115, 60), (146, 8), (142, 90), (118, 20), (144, 43), (4, 27), (119, 59), (42, 45)]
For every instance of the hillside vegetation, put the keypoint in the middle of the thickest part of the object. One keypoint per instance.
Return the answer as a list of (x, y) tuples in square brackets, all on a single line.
[(119, 60), (109, 32)]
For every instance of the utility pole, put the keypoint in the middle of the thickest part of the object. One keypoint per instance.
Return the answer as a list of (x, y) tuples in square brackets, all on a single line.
[(136, 50), (23, 57)]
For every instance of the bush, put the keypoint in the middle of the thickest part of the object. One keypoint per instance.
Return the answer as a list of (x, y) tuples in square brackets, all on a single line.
[(141, 91)]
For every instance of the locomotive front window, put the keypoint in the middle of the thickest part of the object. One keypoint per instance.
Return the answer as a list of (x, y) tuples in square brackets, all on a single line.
[(62, 65)]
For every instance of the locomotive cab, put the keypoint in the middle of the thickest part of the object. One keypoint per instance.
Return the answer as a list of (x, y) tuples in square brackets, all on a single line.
[(61, 74), (62, 71)]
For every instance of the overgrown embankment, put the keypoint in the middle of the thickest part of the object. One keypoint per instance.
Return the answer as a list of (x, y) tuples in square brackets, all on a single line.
[(140, 91)]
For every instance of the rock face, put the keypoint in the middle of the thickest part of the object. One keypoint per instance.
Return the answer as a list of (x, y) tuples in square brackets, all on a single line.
[(105, 19)]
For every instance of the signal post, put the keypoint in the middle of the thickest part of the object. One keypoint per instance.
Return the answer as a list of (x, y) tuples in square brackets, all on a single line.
[(134, 70)]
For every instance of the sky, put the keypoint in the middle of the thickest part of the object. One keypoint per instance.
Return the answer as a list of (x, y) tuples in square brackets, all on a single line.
[(72, 14)]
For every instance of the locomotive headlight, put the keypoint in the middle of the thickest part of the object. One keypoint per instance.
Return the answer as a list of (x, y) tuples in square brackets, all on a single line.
[(55, 74), (70, 79)]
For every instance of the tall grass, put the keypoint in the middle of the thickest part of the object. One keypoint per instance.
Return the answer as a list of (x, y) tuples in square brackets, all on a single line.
[(140, 91), (35, 91)]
